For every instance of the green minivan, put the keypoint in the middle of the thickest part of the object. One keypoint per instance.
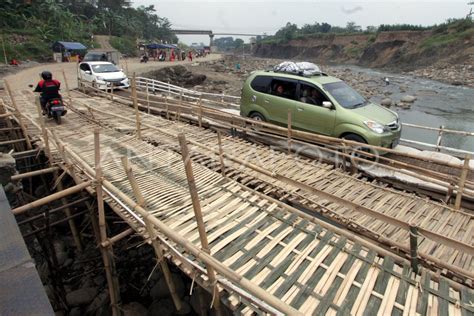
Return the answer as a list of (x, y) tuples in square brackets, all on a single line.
[(320, 104)]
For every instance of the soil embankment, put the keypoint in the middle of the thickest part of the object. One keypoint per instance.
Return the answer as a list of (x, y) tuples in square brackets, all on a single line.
[(445, 57)]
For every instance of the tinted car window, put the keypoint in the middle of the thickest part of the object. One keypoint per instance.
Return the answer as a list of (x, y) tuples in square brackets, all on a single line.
[(84, 67), (284, 88), (311, 95), (261, 84)]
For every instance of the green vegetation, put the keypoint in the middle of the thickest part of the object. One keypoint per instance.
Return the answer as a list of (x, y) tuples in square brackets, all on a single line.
[(33, 27), (125, 44), (451, 30), (228, 43)]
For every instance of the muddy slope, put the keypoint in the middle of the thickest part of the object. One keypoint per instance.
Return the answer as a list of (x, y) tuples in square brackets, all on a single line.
[(403, 50)]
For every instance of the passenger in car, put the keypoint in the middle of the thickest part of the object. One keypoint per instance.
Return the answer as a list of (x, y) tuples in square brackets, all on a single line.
[(315, 98), (304, 96), (279, 91)]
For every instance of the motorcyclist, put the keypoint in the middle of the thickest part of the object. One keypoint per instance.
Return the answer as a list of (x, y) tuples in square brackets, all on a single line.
[(49, 89)]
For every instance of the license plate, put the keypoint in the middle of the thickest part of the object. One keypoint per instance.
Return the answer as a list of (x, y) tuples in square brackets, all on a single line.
[(57, 108), (117, 84)]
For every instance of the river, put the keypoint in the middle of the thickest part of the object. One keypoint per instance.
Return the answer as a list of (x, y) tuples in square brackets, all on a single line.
[(437, 104)]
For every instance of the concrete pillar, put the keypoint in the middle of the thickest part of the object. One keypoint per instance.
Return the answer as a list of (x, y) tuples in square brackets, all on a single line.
[(211, 38)]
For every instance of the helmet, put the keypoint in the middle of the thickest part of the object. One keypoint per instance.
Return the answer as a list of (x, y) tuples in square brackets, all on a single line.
[(46, 75)]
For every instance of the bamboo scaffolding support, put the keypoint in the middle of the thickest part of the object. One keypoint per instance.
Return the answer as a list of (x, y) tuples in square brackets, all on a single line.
[(67, 87), (13, 141), (4, 115), (200, 110), (50, 198), (18, 115), (72, 225), (112, 240), (462, 182), (43, 129), (147, 98), (221, 153), (197, 252), (8, 129), (30, 174), (106, 252), (67, 218), (414, 248), (289, 131), (135, 105), (199, 219)]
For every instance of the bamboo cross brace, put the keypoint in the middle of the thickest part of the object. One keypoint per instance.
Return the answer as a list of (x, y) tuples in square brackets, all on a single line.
[(462, 182), (199, 218), (18, 115)]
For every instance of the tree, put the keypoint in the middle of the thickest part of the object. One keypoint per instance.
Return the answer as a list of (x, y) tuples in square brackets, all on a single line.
[(238, 43), (351, 27), (288, 32)]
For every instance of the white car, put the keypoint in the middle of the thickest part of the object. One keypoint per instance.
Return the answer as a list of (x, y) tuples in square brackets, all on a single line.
[(103, 75)]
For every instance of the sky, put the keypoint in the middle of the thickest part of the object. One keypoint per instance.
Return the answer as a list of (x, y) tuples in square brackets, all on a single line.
[(267, 16)]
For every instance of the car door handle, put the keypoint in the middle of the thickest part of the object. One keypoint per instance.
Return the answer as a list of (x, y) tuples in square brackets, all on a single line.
[(266, 101), (300, 110)]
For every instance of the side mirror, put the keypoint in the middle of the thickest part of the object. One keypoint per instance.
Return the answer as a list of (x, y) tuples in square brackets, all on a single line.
[(327, 105), (30, 85), (88, 72)]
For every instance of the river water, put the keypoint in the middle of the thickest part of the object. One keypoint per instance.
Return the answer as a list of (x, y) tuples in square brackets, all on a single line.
[(437, 104)]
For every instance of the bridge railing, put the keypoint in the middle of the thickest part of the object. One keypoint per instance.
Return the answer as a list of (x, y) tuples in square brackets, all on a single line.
[(170, 90)]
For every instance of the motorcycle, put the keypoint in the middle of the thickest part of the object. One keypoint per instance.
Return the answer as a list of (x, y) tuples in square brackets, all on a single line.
[(55, 109)]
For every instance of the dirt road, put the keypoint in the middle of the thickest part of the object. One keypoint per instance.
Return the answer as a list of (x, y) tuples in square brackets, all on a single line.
[(22, 79)]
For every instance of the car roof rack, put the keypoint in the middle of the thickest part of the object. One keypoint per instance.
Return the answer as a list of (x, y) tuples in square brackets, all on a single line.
[(304, 69)]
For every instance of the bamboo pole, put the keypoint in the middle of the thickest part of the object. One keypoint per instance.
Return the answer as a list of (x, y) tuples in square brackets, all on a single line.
[(199, 219), (18, 115), (106, 253), (414, 248), (112, 240), (289, 131), (72, 225), (200, 111), (462, 181), (33, 173), (43, 129), (50, 198), (147, 98), (13, 141), (440, 135), (221, 153), (67, 87), (135, 105)]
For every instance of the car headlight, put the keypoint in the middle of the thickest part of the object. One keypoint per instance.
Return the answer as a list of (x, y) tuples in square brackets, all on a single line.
[(100, 78), (375, 127)]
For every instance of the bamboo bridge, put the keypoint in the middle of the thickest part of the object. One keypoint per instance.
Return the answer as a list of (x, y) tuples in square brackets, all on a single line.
[(263, 229)]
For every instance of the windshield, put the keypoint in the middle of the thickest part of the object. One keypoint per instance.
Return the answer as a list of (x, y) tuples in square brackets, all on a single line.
[(345, 95), (104, 68)]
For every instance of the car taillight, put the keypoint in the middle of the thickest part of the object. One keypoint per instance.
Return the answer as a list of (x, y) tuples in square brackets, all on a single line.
[(55, 102)]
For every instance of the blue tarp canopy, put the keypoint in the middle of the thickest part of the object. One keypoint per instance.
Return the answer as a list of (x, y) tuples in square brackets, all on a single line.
[(62, 46), (160, 46)]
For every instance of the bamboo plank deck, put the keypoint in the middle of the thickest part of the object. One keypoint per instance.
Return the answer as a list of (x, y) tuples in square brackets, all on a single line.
[(305, 265), (410, 208)]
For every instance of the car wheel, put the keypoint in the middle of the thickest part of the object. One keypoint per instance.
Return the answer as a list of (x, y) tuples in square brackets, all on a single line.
[(355, 138), (257, 117)]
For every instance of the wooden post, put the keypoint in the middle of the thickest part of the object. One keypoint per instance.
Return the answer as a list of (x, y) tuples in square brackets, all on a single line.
[(43, 129), (221, 153), (200, 110), (18, 115), (289, 131), (440, 135), (180, 99), (147, 98), (169, 89), (67, 88), (105, 251), (112, 92), (199, 219), (135, 105), (414, 248), (462, 181)]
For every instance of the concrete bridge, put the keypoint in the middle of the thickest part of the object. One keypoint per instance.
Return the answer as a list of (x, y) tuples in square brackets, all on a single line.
[(211, 34)]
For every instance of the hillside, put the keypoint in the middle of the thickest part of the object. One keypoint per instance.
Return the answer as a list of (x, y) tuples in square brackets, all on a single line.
[(395, 50)]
